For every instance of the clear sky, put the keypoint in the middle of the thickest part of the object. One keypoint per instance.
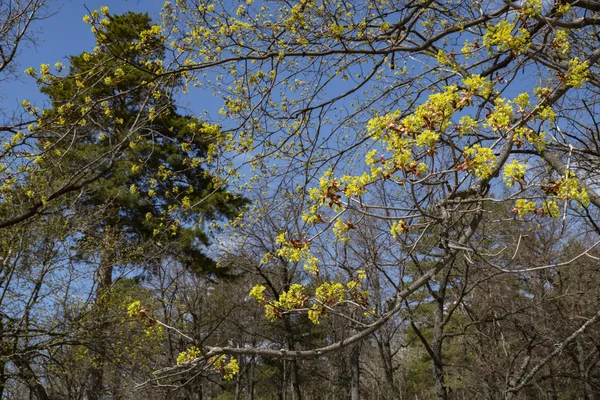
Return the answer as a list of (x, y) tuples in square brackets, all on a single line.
[(62, 34)]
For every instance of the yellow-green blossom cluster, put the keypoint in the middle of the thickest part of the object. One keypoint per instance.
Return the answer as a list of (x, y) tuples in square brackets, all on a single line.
[(328, 190), (420, 129), (479, 160), (327, 295), (188, 355), (444, 58), (561, 41), (569, 188), (134, 309), (315, 313), (355, 185), (290, 300), (257, 293), (501, 36), (228, 366), (333, 293), (467, 125), (523, 206), (531, 8), (378, 125), (577, 74), (330, 293), (429, 118), (295, 250), (514, 172), (546, 113), (563, 9), (399, 227), (522, 101), (341, 228), (501, 116), (292, 251), (550, 207), (524, 134), (476, 84)]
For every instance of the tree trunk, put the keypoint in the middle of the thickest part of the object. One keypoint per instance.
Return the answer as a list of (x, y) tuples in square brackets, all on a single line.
[(438, 369), (95, 384), (238, 380), (588, 390), (284, 380), (355, 372), (3, 376), (294, 384), (291, 366), (385, 351), (441, 391), (551, 393), (251, 379)]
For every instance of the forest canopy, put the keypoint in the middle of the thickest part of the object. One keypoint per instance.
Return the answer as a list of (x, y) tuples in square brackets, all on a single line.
[(381, 200)]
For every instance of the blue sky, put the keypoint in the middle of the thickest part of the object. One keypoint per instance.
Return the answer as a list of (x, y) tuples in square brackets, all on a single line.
[(62, 34)]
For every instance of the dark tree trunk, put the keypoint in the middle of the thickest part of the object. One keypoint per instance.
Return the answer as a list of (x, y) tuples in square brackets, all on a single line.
[(251, 379), (284, 379), (294, 383), (95, 383), (552, 392), (3, 376), (436, 346), (355, 372), (588, 390), (385, 351)]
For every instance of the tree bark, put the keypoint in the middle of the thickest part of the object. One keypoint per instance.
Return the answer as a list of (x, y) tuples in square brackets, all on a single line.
[(3, 376), (588, 391), (294, 384), (251, 379), (95, 383), (355, 372), (436, 347), (238, 387), (284, 379), (385, 351)]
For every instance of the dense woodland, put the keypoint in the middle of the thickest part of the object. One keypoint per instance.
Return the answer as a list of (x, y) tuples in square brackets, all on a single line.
[(396, 200)]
